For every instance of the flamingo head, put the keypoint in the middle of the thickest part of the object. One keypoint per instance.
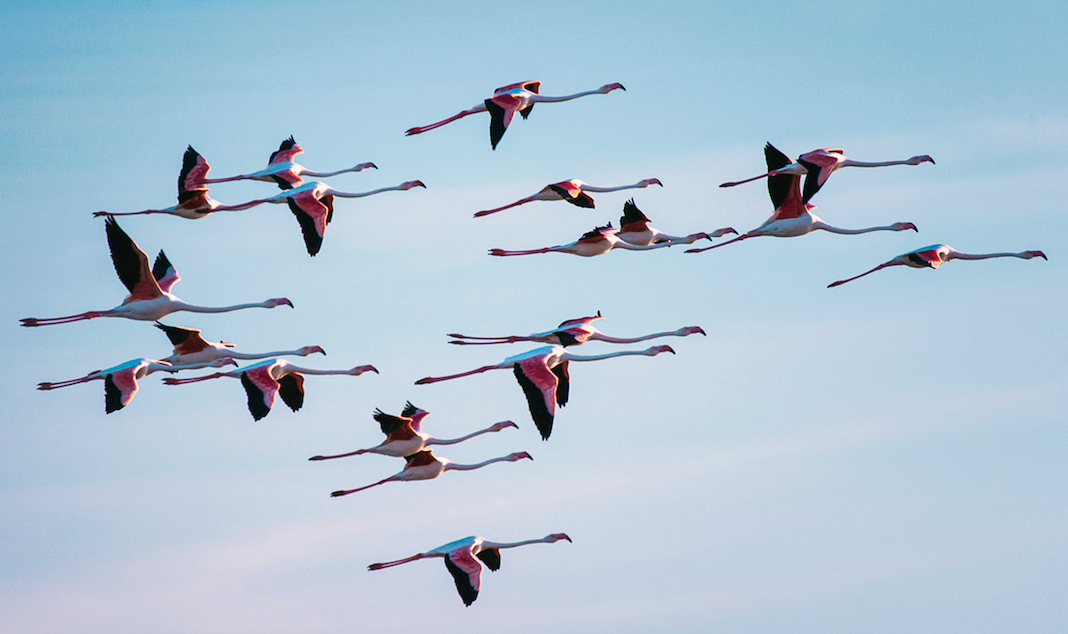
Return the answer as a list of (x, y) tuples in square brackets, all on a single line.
[(655, 350), (916, 160), (650, 181), (306, 350), (519, 456), (364, 166), (555, 537), (1034, 254), (360, 369), (278, 301), (904, 226), (411, 184), (719, 233), (503, 425), (218, 363), (690, 330), (607, 88)]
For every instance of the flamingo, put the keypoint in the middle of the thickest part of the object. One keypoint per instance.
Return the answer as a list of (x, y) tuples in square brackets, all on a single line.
[(543, 374), (817, 166), (193, 199), (574, 332), (313, 205), (120, 382), (150, 295), (281, 169), (424, 465), (599, 241), (937, 255), (793, 216), (269, 378), (404, 434), (508, 100), (573, 191), (190, 347), (634, 228), (460, 560)]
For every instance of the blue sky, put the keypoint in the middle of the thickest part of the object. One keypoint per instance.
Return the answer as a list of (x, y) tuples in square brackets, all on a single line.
[(886, 456)]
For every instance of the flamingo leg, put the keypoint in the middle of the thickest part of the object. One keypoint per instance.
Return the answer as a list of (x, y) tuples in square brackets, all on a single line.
[(503, 253), (52, 386), (421, 129), (171, 381), (343, 455), (840, 282), (431, 379), (390, 564), (337, 494), (521, 201), (51, 321)]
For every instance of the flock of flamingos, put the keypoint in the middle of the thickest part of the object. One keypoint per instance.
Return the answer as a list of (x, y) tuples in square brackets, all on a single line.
[(543, 373)]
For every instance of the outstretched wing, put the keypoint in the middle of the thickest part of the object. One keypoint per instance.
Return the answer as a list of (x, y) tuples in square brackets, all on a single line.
[(313, 216), (819, 164), (287, 151), (131, 263), (394, 427), (573, 194), (539, 386), (633, 219), (291, 389), (467, 573), (784, 189), (501, 110), (563, 382), (491, 557), (164, 272), (194, 168), (261, 389), (184, 340), (119, 389), (927, 256)]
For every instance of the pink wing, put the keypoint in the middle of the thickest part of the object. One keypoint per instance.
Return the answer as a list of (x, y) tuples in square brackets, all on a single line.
[(532, 86), (539, 385), (314, 207), (826, 160), (466, 571), (931, 257), (262, 379), (286, 156), (126, 381)]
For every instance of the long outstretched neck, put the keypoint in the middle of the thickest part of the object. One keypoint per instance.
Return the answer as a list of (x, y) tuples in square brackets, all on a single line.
[(337, 494), (432, 379), (370, 193), (957, 255), (548, 539), (263, 355), (390, 564), (826, 227), (357, 168), (603, 337), (221, 309), (548, 99), (597, 357), (52, 321), (840, 282), (503, 253), (421, 129), (467, 467), (453, 441), (723, 244), (487, 212), (852, 163), (591, 188)]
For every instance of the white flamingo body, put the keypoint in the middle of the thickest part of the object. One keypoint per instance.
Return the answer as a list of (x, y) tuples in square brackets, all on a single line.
[(268, 379), (120, 382), (573, 191), (793, 215), (193, 199), (424, 465), (405, 436), (545, 378), (283, 171), (313, 205), (573, 332), (506, 102), (464, 559), (190, 347), (936, 255), (150, 298), (599, 241)]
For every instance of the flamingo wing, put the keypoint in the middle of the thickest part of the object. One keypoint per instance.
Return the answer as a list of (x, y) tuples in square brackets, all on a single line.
[(563, 382), (633, 219), (261, 389), (819, 164), (119, 389), (420, 459), (287, 151), (573, 194), (466, 571), (539, 385), (410, 411), (394, 427), (491, 557), (502, 109), (784, 189), (194, 168), (184, 340), (929, 256), (164, 273), (313, 215), (291, 389), (581, 321), (131, 263)]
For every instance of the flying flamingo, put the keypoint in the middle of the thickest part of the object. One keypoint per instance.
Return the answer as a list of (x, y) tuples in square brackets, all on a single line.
[(793, 216), (150, 295), (508, 100), (313, 205), (634, 228), (424, 465), (817, 166), (282, 170), (404, 434), (190, 347), (267, 379), (937, 255), (543, 375), (573, 191), (592, 243), (120, 382), (574, 332), (460, 560), (193, 199)]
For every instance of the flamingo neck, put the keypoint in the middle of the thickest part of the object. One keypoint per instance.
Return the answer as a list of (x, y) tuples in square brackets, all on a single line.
[(467, 467)]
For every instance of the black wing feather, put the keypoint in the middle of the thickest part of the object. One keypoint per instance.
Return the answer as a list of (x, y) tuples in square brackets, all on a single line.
[(409, 409), (112, 395), (125, 254), (159, 269), (175, 334), (312, 239), (812, 180), (291, 389), (631, 213), (285, 145), (256, 405), (388, 422), (281, 182), (778, 186), (491, 557), (497, 126), (463, 582), (563, 384)]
